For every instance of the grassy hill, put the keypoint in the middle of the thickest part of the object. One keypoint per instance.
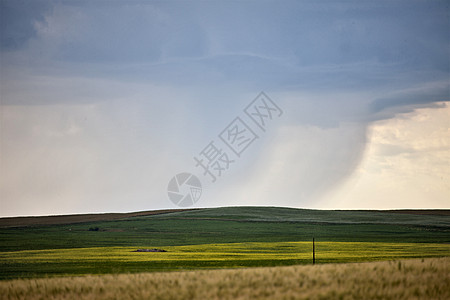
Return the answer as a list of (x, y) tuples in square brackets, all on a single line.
[(79, 218), (227, 237), (224, 225)]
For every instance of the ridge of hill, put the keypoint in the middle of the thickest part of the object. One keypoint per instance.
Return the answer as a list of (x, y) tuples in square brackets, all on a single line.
[(78, 218), (431, 217)]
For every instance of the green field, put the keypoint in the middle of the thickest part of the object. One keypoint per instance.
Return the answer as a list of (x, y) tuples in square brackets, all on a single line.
[(218, 238), (104, 260)]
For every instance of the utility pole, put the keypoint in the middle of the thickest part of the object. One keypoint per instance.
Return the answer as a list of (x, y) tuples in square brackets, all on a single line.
[(314, 253)]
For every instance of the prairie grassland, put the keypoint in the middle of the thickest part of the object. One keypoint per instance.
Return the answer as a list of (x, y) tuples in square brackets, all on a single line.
[(105, 260), (224, 225), (404, 279)]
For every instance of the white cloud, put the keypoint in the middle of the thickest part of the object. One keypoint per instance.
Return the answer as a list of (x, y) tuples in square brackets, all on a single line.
[(405, 166)]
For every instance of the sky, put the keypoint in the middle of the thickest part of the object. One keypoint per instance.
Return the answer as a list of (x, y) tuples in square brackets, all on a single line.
[(104, 102)]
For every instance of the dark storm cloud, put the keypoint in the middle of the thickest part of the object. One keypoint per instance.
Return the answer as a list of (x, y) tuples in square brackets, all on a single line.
[(18, 21)]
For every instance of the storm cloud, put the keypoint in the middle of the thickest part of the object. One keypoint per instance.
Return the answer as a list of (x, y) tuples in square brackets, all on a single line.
[(103, 102)]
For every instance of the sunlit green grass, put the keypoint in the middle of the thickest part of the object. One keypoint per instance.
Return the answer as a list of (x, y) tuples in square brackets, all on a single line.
[(215, 238), (232, 225), (101, 260)]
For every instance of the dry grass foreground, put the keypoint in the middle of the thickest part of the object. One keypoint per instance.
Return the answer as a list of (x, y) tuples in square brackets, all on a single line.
[(405, 279)]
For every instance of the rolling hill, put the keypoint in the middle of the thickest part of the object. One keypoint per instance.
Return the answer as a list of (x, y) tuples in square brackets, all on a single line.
[(208, 238), (222, 225)]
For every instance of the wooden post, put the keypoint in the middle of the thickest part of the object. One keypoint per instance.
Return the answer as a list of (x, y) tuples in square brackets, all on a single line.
[(314, 253)]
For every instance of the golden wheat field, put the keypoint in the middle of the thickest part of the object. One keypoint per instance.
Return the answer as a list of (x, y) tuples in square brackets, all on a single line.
[(402, 279)]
